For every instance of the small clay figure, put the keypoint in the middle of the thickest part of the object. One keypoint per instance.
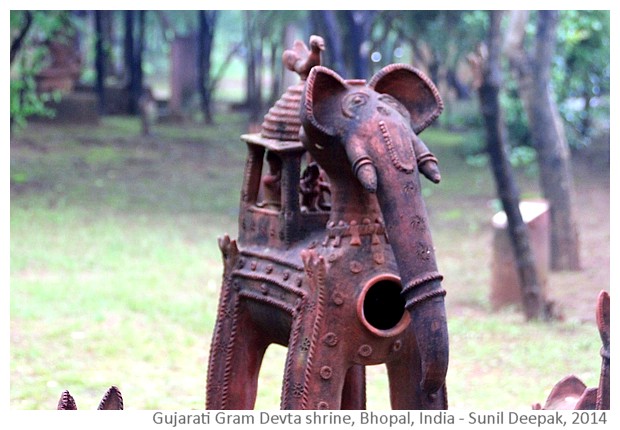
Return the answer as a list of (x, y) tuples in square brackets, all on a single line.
[(312, 187), (272, 182)]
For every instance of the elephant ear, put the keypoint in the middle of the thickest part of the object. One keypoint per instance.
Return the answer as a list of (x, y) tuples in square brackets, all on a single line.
[(413, 89), (320, 99)]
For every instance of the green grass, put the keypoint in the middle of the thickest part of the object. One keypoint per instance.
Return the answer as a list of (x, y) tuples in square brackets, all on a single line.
[(114, 262), (115, 273), (515, 364)]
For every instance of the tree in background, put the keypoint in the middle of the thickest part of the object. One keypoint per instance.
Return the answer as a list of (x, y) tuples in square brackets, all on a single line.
[(489, 77), (254, 29), (325, 23), (29, 32), (100, 59), (581, 71), (134, 46), (359, 24), (439, 42), (358, 43), (532, 69), (263, 34), (20, 25), (206, 33)]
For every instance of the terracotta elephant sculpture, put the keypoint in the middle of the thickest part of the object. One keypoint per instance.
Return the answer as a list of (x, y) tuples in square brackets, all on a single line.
[(360, 289)]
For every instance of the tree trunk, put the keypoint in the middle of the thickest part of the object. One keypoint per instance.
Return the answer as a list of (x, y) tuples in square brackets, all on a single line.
[(138, 85), (251, 87), (359, 24), (16, 44), (533, 71), (167, 29), (107, 25), (128, 53), (276, 72), (259, 64), (289, 35), (507, 190), (333, 40), (134, 47), (206, 33), (100, 61)]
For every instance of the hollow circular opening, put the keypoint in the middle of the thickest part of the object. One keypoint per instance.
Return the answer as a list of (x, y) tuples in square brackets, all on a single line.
[(383, 305)]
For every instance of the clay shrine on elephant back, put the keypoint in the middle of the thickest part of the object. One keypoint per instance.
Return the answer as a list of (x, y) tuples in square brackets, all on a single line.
[(285, 195)]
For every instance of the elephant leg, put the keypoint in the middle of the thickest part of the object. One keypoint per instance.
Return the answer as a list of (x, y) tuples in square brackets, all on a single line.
[(316, 385), (316, 364), (354, 390), (237, 352), (405, 375)]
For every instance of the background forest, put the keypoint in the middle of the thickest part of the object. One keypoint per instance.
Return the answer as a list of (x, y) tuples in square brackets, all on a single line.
[(126, 166)]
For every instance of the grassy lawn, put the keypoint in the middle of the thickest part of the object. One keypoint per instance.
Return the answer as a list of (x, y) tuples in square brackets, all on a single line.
[(115, 272)]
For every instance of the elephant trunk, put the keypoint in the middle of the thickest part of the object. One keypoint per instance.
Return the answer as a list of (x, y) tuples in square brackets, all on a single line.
[(406, 223), (399, 195)]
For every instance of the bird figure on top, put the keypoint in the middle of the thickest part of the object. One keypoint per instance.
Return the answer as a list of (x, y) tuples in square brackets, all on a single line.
[(300, 59)]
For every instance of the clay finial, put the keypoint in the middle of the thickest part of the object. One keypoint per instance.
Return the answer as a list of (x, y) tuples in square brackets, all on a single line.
[(300, 59)]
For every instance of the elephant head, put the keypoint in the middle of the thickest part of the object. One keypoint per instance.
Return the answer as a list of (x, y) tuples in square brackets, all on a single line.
[(364, 135)]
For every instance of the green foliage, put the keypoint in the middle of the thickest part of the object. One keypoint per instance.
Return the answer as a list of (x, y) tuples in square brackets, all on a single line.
[(522, 156), (580, 77), (582, 71), (450, 34), (582, 63), (515, 117), (30, 59), (26, 102), (462, 114), (19, 177)]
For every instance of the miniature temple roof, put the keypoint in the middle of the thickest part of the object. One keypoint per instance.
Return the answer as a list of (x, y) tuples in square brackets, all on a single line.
[(282, 122)]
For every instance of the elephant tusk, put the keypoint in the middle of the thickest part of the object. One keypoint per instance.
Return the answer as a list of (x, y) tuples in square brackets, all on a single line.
[(364, 170)]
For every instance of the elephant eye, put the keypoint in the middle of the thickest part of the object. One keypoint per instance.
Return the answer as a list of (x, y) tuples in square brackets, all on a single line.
[(352, 102), (395, 104)]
